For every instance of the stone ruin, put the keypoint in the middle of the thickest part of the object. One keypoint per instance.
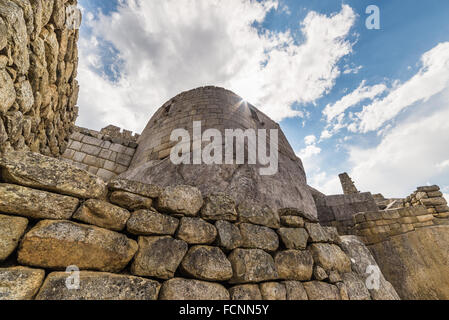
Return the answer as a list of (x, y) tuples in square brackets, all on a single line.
[(140, 228)]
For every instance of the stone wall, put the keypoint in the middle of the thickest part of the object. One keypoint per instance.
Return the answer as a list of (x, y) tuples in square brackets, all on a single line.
[(137, 241), (347, 184), (432, 198), (38, 67), (106, 154), (339, 210)]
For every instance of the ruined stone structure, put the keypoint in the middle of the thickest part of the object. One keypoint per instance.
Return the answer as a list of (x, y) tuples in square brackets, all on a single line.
[(219, 109), (107, 153), (38, 67), (347, 184), (139, 241)]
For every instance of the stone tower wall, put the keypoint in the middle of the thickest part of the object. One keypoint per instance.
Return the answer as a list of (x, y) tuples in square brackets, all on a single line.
[(38, 67), (347, 184)]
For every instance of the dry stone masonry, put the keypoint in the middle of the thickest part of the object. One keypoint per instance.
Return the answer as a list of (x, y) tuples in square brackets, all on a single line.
[(107, 153), (180, 246), (38, 67)]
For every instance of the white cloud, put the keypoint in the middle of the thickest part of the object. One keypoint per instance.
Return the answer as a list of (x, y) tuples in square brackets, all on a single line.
[(165, 47), (431, 79), (407, 155), (443, 165), (309, 140), (360, 94)]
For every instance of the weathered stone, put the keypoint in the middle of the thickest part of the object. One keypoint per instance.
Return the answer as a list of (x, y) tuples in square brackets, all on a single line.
[(273, 291), (317, 233), (184, 200), (321, 291), (258, 237), (35, 204), (319, 273), (24, 94), (207, 263), (11, 230), (216, 108), (59, 244), (219, 206), (99, 286), (285, 212), (330, 257), (362, 260), (434, 202), (292, 222), (355, 287), (185, 289), (102, 214), (261, 215), (334, 277), (196, 231), (428, 189), (229, 236), (252, 266), (37, 171), (20, 283), (131, 201), (294, 265), (158, 257), (149, 223), (245, 292), (295, 290), (343, 291), (7, 92), (142, 189), (294, 238)]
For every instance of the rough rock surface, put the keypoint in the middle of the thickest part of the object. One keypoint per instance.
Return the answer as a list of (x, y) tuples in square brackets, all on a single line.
[(245, 292), (355, 287), (20, 283), (37, 171), (102, 214), (253, 265), (196, 231), (219, 207), (152, 164), (294, 238), (131, 201), (330, 257), (421, 256), (295, 290), (185, 289), (158, 257), (258, 237), (35, 204), (229, 236), (11, 230), (362, 261), (273, 291), (294, 265), (99, 286), (184, 200), (144, 190), (148, 223), (260, 215), (321, 291), (207, 263), (59, 244)]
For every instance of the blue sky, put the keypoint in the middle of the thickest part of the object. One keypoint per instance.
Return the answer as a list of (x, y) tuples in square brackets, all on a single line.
[(369, 102)]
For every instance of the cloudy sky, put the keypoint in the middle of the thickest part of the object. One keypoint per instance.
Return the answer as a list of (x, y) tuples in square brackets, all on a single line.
[(373, 103)]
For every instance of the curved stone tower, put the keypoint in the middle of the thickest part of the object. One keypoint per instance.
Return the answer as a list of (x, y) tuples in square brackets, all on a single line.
[(219, 109)]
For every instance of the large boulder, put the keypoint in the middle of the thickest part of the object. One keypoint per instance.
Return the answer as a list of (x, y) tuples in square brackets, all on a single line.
[(180, 199), (207, 263), (149, 223), (330, 257), (229, 236), (36, 204), (219, 206), (245, 292), (102, 214), (258, 237), (11, 230), (317, 290), (20, 283), (142, 189), (158, 257), (186, 289), (196, 231), (294, 265), (252, 266), (57, 245), (98, 286), (41, 172)]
